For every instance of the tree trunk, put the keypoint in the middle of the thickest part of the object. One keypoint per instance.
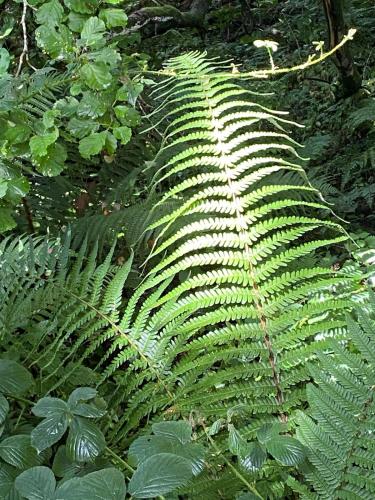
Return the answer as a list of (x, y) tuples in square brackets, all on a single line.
[(349, 75)]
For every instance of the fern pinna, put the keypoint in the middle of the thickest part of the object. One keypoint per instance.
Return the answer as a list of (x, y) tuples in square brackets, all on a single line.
[(338, 432), (230, 310)]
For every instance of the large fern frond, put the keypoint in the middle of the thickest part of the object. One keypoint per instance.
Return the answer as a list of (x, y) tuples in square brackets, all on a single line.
[(231, 309)]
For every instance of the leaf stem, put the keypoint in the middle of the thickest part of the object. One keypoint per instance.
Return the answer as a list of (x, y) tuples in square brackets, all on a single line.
[(231, 466), (119, 459)]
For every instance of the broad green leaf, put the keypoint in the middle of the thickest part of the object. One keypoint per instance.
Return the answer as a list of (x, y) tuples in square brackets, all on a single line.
[(85, 440), (92, 32), (94, 409), (49, 117), (4, 61), (82, 6), (134, 90), (147, 446), (37, 483), (3, 187), (57, 41), (114, 2), (92, 105), (123, 134), (160, 474), (253, 457), (127, 115), (113, 18), (179, 430), (14, 378), (49, 431), (90, 410), (39, 143), (50, 407), (286, 450), (4, 408), (6, 222), (108, 55), (53, 163), (76, 21), (50, 13), (81, 128), (18, 451), (92, 144), (7, 477), (63, 466), (96, 76), (106, 484), (17, 188), (81, 394), (6, 30), (110, 143), (17, 134), (236, 443), (270, 431)]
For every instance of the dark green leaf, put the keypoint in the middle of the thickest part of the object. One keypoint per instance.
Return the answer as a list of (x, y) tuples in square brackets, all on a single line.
[(286, 450), (54, 162), (81, 128), (113, 18), (96, 75), (14, 378), (50, 407), (57, 41), (253, 457), (269, 431), (85, 440), (4, 61), (18, 451), (82, 6), (92, 32), (179, 430), (159, 475), (49, 431), (127, 115), (50, 13), (106, 484), (7, 477), (4, 408), (37, 483), (236, 443), (6, 223), (81, 394), (123, 134), (39, 143), (92, 144)]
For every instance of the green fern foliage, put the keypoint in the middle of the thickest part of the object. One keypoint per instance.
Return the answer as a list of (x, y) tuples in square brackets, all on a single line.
[(231, 308), (338, 431), (57, 305)]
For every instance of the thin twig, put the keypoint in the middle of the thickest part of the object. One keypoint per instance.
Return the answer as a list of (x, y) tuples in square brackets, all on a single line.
[(249, 486), (265, 73), (25, 51)]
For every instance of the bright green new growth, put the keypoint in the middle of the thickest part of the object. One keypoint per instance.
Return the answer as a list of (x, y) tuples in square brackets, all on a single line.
[(229, 312)]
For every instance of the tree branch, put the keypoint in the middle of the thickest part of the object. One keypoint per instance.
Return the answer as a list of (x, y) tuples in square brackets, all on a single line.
[(25, 50)]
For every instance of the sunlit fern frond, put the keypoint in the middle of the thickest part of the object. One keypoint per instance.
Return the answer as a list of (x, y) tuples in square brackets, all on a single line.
[(231, 310)]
